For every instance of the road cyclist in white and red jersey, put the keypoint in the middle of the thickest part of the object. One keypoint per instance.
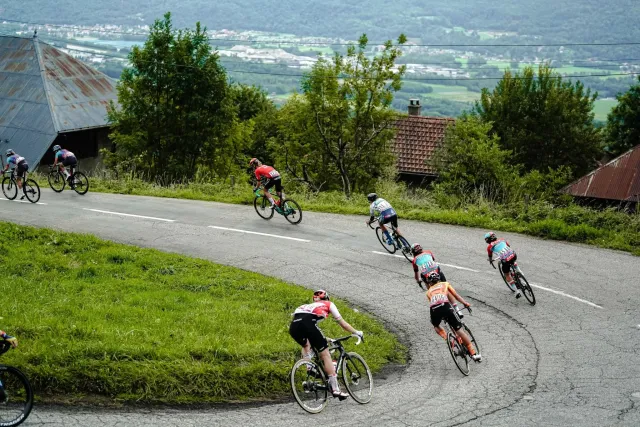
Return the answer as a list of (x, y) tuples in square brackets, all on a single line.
[(267, 177), (305, 331)]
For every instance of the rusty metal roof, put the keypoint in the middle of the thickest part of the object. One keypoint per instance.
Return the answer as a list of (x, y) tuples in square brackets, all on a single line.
[(617, 180), (43, 92), (417, 138)]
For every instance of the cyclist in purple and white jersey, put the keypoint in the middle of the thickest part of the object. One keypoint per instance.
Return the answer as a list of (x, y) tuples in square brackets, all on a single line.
[(507, 256), (384, 212), (20, 164)]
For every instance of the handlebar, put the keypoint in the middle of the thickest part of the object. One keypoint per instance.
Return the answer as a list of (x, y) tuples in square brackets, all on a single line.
[(374, 220), (466, 308), (339, 340), (4, 346)]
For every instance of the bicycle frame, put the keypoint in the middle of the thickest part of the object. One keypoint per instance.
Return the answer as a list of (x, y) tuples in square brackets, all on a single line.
[(335, 345)]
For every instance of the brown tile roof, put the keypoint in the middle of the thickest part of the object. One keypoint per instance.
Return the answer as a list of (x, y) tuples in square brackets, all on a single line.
[(617, 180), (416, 139)]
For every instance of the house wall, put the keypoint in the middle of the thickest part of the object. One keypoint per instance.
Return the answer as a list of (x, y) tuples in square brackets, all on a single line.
[(85, 144)]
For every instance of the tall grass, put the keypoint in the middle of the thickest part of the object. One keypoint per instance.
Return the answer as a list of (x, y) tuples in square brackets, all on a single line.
[(96, 318)]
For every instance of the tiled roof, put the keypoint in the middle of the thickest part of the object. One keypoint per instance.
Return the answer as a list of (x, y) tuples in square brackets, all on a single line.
[(416, 140), (617, 180)]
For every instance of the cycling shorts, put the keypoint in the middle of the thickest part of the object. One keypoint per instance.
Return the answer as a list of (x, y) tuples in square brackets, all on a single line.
[(445, 312), (21, 169), (506, 265), (393, 219), (70, 161), (274, 181), (304, 327)]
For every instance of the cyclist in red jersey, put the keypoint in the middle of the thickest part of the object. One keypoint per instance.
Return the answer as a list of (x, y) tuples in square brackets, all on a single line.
[(305, 331), (268, 177)]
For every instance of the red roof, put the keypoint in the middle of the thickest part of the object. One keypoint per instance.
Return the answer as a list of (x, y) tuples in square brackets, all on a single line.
[(617, 180), (416, 140)]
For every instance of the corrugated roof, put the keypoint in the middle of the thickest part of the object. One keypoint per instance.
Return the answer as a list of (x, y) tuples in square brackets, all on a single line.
[(617, 180), (43, 92), (416, 140)]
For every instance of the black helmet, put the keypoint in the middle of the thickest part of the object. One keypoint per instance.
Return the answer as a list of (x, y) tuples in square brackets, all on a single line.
[(433, 277), (320, 295), (372, 196)]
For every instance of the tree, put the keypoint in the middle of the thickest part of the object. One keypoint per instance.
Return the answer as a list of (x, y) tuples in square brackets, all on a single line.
[(623, 122), (174, 111), (349, 100), (546, 122)]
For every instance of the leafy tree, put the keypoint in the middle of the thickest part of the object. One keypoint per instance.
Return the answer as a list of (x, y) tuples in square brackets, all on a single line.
[(349, 100), (623, 122), (174, 110), (546, 122)]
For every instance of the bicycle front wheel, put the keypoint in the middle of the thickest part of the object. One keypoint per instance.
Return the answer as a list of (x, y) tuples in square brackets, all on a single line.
[(405, 248), (458, 354), (526, 288), (31, 190), (309, 386), (503, 276), (391, 248), (16, 396), (472, 338), (80, 183), (9, 188), (291, 211), (357, 377), (262, 206), (56, 181)]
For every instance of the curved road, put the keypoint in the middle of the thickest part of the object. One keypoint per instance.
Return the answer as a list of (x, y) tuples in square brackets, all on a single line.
[(571, 359)]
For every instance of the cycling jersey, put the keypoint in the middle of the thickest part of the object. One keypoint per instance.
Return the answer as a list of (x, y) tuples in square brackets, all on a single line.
[(63, 154), (501, 248), (320, 309), (382, 208), (424, 263), (266, 172), (15, 160), (438, 294)]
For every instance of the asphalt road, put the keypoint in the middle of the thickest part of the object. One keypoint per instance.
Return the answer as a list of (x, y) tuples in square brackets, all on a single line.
[(571, 359)]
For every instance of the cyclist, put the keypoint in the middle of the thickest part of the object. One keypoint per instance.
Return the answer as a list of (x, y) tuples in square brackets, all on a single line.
[(8, 338), (507, 256), (423, 263), (20, 165), (65, 158), (268, 177), (305, 331), (385, 213), (440, 296)]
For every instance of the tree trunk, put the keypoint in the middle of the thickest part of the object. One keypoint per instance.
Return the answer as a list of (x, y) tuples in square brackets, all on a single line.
[(346, 183)]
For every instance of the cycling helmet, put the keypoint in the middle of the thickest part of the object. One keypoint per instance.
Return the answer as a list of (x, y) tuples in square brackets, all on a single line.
[(490, 237), (56, 148), (433, 277), (255, 162), (372, 196), (10, 152), (416, 248), (320, 295)]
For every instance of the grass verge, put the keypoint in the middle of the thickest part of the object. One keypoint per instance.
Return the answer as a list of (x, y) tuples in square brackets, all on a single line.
[(97, 319)]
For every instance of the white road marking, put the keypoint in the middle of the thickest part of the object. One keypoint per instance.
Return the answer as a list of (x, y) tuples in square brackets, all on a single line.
[(21, 201), (554, 291), (259, 234), (131, 215), (448, 265)]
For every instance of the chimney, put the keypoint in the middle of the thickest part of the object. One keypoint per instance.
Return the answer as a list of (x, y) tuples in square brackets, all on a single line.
[(414, 107)]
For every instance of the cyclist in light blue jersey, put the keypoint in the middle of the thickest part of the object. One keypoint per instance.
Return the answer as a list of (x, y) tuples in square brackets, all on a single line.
[(384, 212)]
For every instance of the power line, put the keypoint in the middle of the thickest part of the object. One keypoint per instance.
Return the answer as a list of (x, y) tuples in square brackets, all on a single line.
[(347, 44)]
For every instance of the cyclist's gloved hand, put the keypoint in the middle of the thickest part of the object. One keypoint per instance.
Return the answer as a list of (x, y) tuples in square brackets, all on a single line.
[(11, 340), (360, 334), (468, 307)]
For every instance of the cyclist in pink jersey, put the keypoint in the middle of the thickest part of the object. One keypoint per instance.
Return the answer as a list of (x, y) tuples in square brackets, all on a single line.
[(305, 331)]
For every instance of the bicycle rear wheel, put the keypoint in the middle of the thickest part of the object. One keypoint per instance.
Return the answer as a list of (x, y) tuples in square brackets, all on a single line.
[(31, 189), (80, 183), (56, 181), (391, 248), (406, 248), (459, 355), (526, 288), (16, 396), (263, 207), (291, 211), (309, 386), (357, 377), (9, 188)]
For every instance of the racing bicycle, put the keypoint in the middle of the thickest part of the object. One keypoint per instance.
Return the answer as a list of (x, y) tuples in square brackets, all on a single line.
[(16, 395), (78, 181), (288, 208), (521, 282), (30, 188), (458, 350), (397, 242), (310, 385)]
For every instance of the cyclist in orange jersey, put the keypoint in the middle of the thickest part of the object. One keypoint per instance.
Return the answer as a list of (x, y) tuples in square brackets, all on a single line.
[(440, 296)]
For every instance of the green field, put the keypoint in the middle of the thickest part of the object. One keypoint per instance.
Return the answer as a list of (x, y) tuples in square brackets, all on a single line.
[(602, 107), (103, 321), (453, 93)]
